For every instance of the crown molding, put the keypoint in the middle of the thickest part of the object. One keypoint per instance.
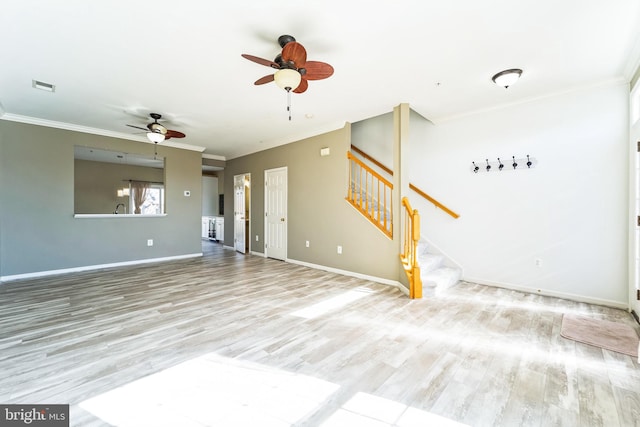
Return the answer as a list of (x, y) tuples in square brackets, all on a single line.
[(214, 157), (93, 131), (606, 83), (632, 65)]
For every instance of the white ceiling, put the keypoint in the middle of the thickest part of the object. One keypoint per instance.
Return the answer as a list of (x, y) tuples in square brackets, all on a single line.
[(114, 62)]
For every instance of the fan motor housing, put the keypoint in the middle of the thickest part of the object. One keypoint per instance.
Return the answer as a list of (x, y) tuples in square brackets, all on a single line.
[(157, 128), (284, 39)]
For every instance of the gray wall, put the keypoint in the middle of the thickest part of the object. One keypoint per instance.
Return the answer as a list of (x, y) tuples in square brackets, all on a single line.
[(317, 209), (38, 232), (209, 196), (375, 137)]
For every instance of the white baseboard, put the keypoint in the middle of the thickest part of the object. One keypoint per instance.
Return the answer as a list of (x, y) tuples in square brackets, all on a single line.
[(550, 293), (389, 282), (94, 267)]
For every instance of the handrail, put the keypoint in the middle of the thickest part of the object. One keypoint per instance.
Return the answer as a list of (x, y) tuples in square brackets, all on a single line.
[(371, 194), (364, 165), (411, 186), (434, 201), (409, 255), (371, 159)]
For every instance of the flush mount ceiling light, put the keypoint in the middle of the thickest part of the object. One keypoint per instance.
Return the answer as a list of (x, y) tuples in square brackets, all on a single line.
[(507, 77)]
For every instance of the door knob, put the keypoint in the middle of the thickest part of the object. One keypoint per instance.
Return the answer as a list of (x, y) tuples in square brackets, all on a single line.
[(282, 219)]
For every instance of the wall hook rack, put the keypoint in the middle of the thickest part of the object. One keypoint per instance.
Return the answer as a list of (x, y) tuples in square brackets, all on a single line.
[(499, 166)]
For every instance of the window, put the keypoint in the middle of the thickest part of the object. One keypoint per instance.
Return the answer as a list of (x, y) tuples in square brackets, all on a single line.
[(149, 197)]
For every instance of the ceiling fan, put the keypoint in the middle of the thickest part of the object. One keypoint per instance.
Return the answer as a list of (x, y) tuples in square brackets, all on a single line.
[(293, 69), (156, 132)]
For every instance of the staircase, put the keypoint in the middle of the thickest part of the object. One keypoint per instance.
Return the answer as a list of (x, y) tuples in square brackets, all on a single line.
[(371, 194), (436, 271)]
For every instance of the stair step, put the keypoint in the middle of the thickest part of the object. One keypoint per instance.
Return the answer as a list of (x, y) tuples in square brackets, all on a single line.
[(434, 272), (441, 278), (430, 262)]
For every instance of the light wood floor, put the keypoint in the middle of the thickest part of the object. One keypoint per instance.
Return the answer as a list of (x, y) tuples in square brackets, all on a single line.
[(230, 340)]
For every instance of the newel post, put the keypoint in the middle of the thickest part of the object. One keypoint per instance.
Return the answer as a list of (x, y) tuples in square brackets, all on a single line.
[(416, 285)]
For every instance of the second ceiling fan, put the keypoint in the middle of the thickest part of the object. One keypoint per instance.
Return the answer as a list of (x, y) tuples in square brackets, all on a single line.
[(157, 132)]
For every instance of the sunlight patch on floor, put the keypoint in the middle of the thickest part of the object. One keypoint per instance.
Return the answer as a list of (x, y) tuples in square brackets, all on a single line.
[(332, 304), (366, 410), (213, 391)]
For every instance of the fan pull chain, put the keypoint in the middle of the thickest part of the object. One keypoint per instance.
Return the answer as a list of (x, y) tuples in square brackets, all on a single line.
[(289, 103)]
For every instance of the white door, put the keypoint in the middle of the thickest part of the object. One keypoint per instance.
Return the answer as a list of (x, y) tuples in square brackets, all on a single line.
[(275, 207), (239, 213)]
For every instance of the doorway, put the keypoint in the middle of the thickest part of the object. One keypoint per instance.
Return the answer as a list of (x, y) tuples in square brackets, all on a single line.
[(241, 212), (275, 208)]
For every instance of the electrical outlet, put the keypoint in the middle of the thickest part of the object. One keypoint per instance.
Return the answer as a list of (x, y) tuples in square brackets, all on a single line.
[(339, 249), (150, 242), (306, 243), (538, 262)]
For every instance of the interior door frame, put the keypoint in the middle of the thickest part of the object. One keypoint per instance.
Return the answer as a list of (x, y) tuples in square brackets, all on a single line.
[(246, 177)]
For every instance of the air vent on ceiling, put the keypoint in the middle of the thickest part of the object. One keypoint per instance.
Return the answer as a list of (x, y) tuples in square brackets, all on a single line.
[(43, 86)]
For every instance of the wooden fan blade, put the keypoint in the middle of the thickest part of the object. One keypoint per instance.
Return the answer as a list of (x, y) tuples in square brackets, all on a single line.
[(302, 86), (261, 61), (138, 127), (266, 79), (317, 70), (296, 53), (173, 134)]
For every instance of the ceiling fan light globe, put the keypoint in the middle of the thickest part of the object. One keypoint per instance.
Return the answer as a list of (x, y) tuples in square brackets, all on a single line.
[(155, 137), (287, 79)]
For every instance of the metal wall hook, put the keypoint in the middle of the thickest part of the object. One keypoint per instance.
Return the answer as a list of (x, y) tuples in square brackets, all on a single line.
[(500, 166)]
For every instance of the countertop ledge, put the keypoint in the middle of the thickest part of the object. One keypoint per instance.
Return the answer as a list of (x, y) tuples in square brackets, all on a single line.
[(119, 215)]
